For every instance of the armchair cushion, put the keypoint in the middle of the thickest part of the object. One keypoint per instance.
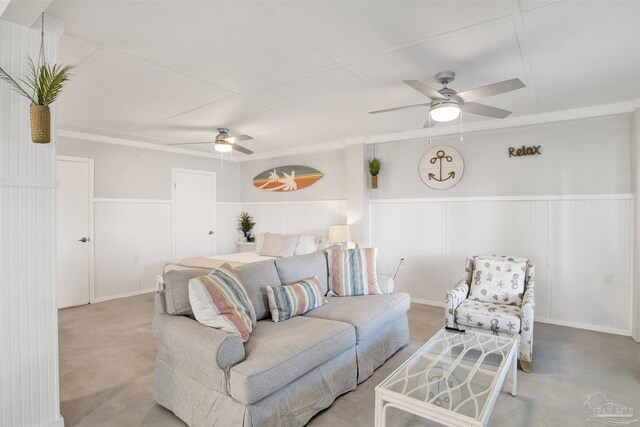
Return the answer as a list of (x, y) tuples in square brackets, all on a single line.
[(498, 280), (489, 316)]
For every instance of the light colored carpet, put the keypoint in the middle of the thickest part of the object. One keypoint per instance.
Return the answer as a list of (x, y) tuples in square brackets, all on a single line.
[(107, 355)]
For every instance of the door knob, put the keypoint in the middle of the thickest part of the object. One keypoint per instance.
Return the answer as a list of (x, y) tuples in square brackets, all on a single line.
[(84, 240), (210, 232)]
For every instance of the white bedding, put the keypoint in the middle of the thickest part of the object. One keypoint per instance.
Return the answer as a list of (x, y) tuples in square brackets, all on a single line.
[(214, 261)]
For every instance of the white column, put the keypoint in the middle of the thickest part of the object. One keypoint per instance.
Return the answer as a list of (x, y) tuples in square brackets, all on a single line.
[(358, 194), (635, 161), (29, 392)]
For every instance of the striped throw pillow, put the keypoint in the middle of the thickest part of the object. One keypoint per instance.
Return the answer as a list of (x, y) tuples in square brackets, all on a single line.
[(292, 300), (219, 300), (352, 272)]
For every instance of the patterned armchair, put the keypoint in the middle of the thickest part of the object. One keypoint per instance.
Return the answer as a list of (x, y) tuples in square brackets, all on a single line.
[(469, 305)]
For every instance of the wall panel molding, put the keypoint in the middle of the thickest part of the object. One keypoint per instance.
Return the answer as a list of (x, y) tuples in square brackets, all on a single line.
[(581, 246), (29, 386)]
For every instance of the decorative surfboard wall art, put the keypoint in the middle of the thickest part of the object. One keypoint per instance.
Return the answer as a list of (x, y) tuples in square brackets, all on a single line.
[(441, 167), (287, 178)]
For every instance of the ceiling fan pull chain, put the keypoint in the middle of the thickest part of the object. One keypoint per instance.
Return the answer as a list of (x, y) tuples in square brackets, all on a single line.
[(429, 128), (461, 138)]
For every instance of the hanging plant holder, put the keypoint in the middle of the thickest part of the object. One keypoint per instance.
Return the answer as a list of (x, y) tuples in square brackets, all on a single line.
[(374, 169), (42, 86), (40, 118)]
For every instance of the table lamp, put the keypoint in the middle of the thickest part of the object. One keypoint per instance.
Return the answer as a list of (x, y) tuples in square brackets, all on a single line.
[(339, 234)]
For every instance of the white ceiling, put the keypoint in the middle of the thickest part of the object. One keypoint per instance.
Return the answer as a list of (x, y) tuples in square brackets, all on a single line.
[(303, 75)]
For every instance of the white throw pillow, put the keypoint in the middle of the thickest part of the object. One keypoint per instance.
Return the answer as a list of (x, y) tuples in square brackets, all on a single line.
[(306, 244), (259, 241), (279, 245), (498, 280)]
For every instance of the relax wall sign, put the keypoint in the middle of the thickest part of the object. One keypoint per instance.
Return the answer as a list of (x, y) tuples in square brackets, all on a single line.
[(524, 151)]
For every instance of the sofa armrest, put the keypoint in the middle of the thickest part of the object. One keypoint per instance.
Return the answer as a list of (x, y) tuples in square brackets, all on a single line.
[(527, 313), (205, 354), (453, 299), (386, 283)]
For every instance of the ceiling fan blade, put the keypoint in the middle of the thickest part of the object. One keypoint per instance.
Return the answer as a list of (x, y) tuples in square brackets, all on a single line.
[(424, 89), (192, 143), (484, 110), (491, 90), (426, 123), (241, 149), (238, 138), (399, 108)]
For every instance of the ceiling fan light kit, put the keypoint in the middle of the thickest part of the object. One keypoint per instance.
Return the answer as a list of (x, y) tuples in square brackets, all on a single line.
[(223, 147), (445, 112)]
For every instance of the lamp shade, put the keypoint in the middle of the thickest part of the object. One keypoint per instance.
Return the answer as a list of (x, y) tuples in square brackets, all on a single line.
[(339, 234)]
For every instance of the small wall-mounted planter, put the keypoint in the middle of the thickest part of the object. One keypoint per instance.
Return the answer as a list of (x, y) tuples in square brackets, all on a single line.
[(374, 181), (40, 118)]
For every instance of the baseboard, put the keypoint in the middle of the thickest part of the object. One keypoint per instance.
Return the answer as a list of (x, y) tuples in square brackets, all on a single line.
[(589, 327), (59, 422), (577, 325), (125, 295), (427, 302)]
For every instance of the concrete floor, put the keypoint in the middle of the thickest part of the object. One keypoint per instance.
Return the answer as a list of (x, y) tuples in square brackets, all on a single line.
[(107, 355)]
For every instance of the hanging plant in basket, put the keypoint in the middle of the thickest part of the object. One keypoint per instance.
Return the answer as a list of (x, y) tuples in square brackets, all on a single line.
[(42, 86), (374, 169)]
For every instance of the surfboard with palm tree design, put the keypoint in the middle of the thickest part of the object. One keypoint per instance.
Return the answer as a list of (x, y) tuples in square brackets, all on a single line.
[(287, 178)]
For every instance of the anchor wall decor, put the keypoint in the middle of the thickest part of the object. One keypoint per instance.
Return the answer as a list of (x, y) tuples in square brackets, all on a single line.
[(441, 167)]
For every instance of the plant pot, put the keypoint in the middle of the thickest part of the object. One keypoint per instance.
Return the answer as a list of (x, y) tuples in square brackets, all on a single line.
[(40, 117), (374, 181)]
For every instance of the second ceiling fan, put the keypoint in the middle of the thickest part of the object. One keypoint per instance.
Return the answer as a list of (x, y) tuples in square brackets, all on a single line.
[(224, 143), (446, 103)]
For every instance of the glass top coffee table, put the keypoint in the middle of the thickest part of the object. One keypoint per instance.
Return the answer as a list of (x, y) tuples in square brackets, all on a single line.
[(454, 379)]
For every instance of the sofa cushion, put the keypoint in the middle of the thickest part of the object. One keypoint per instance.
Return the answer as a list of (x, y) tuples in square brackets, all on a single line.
[(255, 278), (490, 316), (295, 299), (367, 313), (176, 293), (498, 279), (279, 353), (293, 269), (219, 300)]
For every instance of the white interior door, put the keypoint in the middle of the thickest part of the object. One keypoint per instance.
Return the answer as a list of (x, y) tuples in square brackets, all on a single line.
[(75, 196), (194, 213)]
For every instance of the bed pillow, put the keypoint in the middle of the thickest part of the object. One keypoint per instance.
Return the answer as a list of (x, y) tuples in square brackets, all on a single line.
[(219, 300), (352, 272), (292, 300), (498, 280), (306, 244), (259, 241), (279, 245)]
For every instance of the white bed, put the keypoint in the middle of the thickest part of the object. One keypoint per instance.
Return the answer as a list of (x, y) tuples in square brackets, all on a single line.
[(233, 259)]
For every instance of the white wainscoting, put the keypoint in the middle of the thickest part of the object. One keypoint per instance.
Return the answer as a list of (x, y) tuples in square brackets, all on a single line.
[(310, 217), (29, 392), (132, 244), (581, 246)]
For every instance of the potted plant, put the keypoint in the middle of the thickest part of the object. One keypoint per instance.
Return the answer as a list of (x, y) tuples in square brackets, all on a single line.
[(374, 169), (246, 224), (45, 82)]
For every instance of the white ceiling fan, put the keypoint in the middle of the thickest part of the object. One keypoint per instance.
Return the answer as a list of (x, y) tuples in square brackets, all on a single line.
[(446, 103), (224, 143)]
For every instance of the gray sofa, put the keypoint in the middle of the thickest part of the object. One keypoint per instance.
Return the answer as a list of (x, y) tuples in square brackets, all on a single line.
[(287, 371)]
